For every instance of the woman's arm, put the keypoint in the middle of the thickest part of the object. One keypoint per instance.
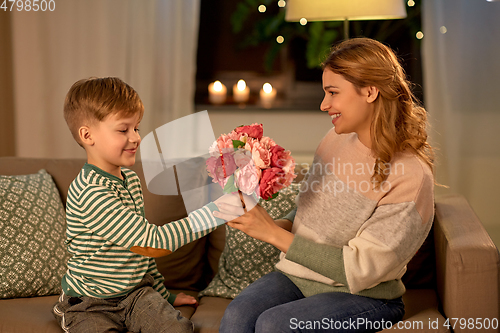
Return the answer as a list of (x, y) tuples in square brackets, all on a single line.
[(284, 224), (380, 252)]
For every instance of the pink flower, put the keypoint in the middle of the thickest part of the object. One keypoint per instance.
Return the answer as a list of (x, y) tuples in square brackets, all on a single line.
[(242, 157), (288, 177), (247, 178), (249, 144), (289, 166), (238, 136), (214, 149), (255, 130), (267, 141), (220, 168), (270, 182), (213, 168), (259, 166), (260, 155), (224, 141)]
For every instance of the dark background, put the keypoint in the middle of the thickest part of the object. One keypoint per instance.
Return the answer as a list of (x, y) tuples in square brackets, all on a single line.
[(221, 50)]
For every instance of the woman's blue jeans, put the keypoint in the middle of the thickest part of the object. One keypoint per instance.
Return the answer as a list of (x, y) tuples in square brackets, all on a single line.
[(274, 304)]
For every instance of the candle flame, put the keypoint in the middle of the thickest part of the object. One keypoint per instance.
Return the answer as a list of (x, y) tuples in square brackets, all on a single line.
[(241, 85), (268, 88), (217, 86)]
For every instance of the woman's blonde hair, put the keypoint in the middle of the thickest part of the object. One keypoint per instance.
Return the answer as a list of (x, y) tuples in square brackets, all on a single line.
[(399, 122), (93, 99)]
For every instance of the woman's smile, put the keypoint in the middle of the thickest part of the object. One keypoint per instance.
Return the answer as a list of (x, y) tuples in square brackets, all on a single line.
[(335, 117)]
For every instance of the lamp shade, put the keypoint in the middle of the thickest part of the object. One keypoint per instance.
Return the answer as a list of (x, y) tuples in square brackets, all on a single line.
[(339, 10)]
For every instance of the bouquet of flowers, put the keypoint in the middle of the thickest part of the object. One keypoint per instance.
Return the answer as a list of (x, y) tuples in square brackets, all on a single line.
[(245, 160)]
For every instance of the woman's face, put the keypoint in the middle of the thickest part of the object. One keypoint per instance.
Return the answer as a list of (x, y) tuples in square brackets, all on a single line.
[(351, 110)]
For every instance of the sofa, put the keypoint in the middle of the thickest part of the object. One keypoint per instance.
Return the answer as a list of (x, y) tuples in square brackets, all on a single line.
[(452, 282)]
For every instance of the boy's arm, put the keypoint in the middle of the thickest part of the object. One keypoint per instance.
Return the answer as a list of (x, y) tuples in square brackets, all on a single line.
[(199, 223), (101, 211)]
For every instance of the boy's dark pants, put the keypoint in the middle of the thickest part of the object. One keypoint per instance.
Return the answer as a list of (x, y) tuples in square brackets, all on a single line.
[(142, 310)]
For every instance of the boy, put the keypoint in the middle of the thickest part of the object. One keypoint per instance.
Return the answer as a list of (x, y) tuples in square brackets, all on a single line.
[(112, 282)]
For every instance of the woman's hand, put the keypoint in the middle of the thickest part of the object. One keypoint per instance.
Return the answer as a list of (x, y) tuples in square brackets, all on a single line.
[(256, 223), (235, 199), (183, 299)]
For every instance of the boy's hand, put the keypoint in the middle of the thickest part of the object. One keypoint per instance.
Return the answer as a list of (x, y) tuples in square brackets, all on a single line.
[(183, 299)]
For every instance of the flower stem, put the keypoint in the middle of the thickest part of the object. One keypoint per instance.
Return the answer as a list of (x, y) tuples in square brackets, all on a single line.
[(242, 201)]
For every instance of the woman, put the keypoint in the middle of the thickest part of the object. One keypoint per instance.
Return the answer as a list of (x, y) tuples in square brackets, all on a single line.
[(364, 210)]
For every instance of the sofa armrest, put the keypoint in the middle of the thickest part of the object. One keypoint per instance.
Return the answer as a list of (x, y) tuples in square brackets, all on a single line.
[(467, 263)]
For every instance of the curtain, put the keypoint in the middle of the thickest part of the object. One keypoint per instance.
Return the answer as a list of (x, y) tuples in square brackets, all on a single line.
[(7, 147), (461, 61), (149, 44)]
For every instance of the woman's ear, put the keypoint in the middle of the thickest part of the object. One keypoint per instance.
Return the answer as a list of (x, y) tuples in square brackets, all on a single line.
[(85, 136), (372, 94)]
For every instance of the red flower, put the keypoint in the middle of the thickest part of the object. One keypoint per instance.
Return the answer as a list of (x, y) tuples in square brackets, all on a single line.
[(254, 131), (271, 182), (278, 156)]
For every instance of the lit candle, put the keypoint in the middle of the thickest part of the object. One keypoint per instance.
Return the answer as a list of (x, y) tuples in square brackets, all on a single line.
[(241, 92), (217, 92), (267, 95)]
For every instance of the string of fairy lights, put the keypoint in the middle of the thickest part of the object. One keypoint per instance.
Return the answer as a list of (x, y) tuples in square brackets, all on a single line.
[(241, 93), (303, 21)]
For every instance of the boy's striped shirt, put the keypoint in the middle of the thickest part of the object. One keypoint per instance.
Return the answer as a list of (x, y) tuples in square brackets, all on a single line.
[(105, 219)]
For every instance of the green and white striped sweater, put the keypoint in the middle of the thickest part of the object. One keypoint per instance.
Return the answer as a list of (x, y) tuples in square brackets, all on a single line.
[(105, 219)]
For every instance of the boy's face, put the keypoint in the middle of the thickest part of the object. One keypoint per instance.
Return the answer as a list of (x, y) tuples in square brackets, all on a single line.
[(114, 143)]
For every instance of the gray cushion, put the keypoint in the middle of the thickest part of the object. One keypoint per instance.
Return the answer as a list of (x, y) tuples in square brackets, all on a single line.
[(32, 231)]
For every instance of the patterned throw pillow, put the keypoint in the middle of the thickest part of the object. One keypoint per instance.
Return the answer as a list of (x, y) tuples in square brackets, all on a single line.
[(245, 259), (32, 231)]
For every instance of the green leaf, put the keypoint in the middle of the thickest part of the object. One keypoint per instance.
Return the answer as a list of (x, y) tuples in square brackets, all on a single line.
[(230, 186), (273, 196), (239, 17), (272, 28), (321, 38), (271, 55), (238, 144)]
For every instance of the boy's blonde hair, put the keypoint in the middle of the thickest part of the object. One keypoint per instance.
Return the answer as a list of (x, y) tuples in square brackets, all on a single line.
[(399, 122), (91, 100)]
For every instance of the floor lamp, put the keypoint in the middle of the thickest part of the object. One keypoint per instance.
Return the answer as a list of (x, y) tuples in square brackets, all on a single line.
[(344, 10)]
